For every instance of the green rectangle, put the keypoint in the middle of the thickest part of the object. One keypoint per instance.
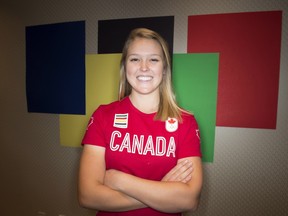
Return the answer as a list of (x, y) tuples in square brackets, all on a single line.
[(195, 80)]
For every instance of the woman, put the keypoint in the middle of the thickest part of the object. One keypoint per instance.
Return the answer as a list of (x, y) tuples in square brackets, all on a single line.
[(141, 154)]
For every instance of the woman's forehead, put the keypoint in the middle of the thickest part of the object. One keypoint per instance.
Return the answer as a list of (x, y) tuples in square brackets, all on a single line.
[(144, 46)]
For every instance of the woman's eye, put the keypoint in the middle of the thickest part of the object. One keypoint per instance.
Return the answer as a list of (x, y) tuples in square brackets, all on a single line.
[(154, 60), (134, 59)]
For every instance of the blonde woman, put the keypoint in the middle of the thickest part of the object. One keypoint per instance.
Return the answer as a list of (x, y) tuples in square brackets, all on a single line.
[(141, 154)]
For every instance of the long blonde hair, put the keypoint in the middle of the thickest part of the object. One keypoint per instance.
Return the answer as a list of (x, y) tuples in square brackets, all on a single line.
[(167, 104)]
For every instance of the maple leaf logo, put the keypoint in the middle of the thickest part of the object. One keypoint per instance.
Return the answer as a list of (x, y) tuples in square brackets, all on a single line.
[(171, 121)]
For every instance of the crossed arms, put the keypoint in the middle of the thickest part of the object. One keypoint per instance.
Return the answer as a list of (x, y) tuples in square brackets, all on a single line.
[(112, 190)]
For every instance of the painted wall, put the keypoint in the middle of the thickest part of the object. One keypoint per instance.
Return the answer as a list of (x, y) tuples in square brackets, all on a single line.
[(250, 169)]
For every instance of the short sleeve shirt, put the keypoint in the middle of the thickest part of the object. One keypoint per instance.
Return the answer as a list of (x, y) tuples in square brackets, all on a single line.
[(137, 144)]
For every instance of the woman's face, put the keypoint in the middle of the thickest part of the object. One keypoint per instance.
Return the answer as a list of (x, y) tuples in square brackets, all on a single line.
[(144, 66)]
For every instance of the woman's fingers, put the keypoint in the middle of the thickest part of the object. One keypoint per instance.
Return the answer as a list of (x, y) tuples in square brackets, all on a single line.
[(182, 172)]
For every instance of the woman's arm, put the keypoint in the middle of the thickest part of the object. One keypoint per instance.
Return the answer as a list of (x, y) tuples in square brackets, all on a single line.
[(165, 196), (92, 193)]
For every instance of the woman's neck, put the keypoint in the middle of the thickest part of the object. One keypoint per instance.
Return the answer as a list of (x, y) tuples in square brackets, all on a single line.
[(145, 103)]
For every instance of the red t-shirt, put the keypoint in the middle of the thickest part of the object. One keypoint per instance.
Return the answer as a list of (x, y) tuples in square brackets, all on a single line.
[(137, 144)]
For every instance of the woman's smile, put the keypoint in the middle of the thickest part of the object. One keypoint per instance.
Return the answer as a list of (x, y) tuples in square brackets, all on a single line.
[(144, 78)]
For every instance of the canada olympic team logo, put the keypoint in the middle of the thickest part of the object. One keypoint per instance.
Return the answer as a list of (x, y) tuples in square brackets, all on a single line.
[(171, 124)]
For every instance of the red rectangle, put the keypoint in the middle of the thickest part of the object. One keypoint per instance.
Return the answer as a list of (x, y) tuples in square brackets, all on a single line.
[(249, 46)]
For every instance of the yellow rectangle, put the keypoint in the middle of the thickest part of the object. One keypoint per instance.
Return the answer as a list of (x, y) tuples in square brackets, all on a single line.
[(102, 82)]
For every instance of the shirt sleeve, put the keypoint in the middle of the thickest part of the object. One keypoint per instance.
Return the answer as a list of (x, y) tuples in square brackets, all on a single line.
[(94, 134), (189, 138)]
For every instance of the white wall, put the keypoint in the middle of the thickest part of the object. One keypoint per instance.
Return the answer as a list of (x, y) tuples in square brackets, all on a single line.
[(250, 169)]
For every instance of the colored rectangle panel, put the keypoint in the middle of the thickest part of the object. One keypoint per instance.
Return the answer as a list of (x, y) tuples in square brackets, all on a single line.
[(249, 46), (195, 80), (55, 68), (102, 81), (112, 34)]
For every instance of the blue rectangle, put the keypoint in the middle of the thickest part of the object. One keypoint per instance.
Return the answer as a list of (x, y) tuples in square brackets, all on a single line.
[(55, 68)]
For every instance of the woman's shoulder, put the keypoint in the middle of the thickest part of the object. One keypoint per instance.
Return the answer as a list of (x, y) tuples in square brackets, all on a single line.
[(111, 107), (187, 115)]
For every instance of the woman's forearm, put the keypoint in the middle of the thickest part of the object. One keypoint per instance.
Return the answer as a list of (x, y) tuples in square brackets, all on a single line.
[(163, 196), (106, 199), (92, 193), (160, 195)]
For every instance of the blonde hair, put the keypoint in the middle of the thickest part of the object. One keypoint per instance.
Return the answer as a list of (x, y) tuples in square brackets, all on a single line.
[(167, 104)]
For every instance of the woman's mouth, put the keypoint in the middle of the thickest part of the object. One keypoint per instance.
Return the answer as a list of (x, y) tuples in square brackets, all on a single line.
[(144, 78)]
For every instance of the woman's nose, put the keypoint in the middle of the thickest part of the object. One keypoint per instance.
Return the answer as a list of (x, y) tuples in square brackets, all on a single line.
[(144, 66)]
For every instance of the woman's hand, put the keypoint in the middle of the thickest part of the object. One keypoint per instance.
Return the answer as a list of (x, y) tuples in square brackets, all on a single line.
[(182, 172)]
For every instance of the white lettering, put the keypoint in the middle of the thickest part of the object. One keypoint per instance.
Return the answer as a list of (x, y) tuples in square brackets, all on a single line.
[(114, 146), (149, 146), (171, 148), (138, 145), (126, 143), (160, 146)]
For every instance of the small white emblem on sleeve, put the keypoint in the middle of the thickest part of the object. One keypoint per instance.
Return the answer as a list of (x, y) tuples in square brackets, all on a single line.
[(198, 133), (91, 121)]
